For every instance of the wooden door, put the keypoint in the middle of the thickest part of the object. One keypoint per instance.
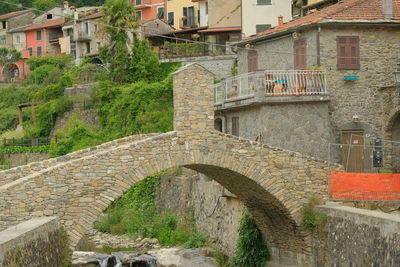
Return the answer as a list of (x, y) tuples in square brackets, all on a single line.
[(353, 155), (300, 58), (252, 60)]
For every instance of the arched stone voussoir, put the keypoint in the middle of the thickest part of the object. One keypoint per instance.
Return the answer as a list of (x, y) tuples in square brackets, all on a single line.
[(272, 183)]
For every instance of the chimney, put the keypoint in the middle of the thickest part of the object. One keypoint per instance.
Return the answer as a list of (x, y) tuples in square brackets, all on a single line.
[(387, 8), (280, 20), (65, 5)]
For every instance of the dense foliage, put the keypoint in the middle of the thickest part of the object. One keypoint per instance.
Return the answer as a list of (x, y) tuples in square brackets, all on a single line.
[(44, 4), (136, 214), (251, 250)]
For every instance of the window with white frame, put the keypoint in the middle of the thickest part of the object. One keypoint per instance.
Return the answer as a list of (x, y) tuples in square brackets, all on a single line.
[(160, 12), (2, 39)]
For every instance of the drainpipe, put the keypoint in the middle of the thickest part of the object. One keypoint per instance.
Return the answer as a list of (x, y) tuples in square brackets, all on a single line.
[(387, 8), (319, 47)]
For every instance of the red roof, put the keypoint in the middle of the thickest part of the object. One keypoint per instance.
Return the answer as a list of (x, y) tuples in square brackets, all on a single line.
[(47, 24), (94, 16), (222, 29), (345, 11), (13, 14)]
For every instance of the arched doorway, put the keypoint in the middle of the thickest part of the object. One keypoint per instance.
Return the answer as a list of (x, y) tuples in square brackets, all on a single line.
[(10, 73)]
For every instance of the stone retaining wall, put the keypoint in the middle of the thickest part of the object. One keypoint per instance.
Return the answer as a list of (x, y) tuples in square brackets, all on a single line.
[(36, 242), (358, 237)]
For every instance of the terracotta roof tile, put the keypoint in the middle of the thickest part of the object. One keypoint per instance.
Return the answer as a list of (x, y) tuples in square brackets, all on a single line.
[(47, 24), (94, 16), (13, 14), (347, 10)]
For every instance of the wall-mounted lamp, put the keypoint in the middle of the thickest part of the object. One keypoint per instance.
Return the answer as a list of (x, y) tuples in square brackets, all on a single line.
[(355, 118)]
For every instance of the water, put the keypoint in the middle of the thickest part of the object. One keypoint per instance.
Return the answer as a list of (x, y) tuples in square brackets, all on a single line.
[(120, 259)]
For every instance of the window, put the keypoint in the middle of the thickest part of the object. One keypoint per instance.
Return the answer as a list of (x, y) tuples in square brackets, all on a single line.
[(49, 16), (252, 60), (3, 39), (95, 28), (70, 32), (300, 57), (18, 39), (171, 20), (86, 27), (138, 2), (348, 52), (262, 27), (39, 36), (30, 51), (88, 47), (4, 23), (263, 2), (188, 13), (39, 51), (160, 12), (98, 46), (235, 126), (139, 15)]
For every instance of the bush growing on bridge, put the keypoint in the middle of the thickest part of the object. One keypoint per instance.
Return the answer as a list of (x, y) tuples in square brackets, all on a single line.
[(251, 250)]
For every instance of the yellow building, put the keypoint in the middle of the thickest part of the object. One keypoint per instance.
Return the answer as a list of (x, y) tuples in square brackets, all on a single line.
[(186, 14)]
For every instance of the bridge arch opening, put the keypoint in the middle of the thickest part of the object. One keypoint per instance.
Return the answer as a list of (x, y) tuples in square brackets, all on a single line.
[(278, 226)]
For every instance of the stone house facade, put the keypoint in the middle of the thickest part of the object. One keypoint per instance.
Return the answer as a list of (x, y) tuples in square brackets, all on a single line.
[(356, 44)]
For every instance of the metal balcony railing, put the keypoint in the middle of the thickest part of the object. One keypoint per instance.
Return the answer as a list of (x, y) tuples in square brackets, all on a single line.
[(271, 83)]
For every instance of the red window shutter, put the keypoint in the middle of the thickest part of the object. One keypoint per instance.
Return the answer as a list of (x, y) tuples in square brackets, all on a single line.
[(348, 52)]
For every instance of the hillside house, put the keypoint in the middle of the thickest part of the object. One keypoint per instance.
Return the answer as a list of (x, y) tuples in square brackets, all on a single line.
[(327, 77), (9, 22)]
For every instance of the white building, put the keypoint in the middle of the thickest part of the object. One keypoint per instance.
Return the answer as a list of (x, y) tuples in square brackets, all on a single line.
[(259, 15)]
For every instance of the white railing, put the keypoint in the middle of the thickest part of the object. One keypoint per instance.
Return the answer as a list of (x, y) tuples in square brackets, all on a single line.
[(272, 83)]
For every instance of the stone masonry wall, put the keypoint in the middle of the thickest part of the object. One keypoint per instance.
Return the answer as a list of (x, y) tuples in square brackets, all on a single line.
[(379, 51), (278, 54), (359, 237), (217, 213), (302, 127), (35, 243), (220, 66)]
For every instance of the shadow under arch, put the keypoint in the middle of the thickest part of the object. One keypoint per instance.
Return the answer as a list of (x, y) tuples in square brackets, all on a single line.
[(10, 71)]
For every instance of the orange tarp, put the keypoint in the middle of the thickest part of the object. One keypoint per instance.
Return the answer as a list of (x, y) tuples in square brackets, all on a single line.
[(365, 186)]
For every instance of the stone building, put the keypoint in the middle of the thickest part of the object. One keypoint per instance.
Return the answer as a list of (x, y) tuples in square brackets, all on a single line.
[(326, 77)]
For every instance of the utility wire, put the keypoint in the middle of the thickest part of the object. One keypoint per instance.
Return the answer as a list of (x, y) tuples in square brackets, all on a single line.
[(274, 52)]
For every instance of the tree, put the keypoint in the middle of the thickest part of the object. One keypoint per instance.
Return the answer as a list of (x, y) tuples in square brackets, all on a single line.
[(122, 17), (7, 8), (44, 5), (144, 64), (9, 56)]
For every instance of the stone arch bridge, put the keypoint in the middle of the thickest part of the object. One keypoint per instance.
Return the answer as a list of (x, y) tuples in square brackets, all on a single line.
[(273, 183)]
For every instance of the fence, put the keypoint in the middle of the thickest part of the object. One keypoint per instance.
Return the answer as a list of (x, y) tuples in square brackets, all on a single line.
[(28, 141), (272, 83), (371, 169), (180, 50)]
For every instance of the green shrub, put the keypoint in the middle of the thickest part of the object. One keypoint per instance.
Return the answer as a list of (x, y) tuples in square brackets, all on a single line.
[(251, 250), (311, 219), (196, 240)]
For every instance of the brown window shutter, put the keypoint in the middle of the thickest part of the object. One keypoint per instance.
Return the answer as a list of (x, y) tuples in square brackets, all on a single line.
[(252, 59), (300, 58), (348, 52), (235, 126)]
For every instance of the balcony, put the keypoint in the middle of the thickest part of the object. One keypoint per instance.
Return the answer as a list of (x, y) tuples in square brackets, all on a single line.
[(83, 36), (142, 3), (188, 22), (269, 84), (54, 36)]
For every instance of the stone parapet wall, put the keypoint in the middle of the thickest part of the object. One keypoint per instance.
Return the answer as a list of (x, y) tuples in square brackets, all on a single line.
[(36, 242), (358, 237), (88, 116), (19, 159), (32, 168), (220, 66)]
